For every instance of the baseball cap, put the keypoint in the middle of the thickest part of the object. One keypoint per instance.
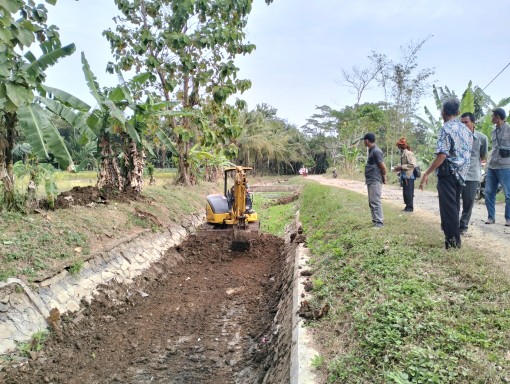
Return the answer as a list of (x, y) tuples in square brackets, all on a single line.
[(500, 112)]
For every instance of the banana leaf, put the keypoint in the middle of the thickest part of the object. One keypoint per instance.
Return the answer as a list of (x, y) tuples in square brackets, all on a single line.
[(467, 103), (43, 136), (113, 111), (77, 120), (91, 81), (47, 60), (167, 142), (66, 98)]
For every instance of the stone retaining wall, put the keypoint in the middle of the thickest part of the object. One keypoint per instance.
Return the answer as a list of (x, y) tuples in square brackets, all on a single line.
[(280, 340), (24, 312)]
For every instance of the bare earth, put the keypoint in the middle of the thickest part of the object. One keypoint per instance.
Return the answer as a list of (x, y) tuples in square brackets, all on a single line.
[(492, 240)]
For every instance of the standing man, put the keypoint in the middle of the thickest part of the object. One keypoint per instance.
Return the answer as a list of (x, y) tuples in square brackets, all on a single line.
[(498, 169), (406, 168), (375, 176), (478, 154), (453, 151)]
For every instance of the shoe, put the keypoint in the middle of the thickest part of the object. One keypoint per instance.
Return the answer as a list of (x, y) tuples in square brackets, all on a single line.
[(452, 244), (490, 221), (507, 224), (464, 233)]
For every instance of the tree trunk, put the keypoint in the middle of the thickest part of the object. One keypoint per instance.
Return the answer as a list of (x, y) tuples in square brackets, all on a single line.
[(109, 173), (183, 172), (163, 157), (7, 135), (213, 173), (135, 162)]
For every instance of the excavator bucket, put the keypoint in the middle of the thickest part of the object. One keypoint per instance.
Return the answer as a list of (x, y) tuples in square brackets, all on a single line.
[(244, 236)]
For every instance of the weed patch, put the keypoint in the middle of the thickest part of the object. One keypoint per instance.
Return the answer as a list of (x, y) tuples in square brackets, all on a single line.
[(35, 344)]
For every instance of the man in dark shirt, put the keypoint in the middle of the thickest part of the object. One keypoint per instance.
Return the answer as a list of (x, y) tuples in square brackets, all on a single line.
[(375, 176)]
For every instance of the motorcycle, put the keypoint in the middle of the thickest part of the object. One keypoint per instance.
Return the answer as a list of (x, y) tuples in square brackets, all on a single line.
[(480, 191)]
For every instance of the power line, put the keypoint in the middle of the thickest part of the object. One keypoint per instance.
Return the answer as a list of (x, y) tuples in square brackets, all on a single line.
[(496, 76)]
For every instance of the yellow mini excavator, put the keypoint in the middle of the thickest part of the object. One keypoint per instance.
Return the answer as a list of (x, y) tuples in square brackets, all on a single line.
[(234, 209)]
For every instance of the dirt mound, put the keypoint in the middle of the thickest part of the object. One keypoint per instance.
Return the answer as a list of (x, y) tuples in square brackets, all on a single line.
[(83, 196), (205, 320)]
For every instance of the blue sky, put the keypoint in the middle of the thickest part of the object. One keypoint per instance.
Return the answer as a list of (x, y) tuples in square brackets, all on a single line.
[(303, 45)]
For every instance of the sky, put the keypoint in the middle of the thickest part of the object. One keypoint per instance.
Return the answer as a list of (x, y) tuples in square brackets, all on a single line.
[(303, 46)]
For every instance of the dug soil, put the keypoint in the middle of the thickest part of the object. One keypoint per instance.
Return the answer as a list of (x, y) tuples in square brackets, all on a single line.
[(88, 196), (205, 319)]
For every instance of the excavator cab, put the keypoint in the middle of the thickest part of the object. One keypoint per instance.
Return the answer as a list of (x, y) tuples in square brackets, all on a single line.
[(234, 209)]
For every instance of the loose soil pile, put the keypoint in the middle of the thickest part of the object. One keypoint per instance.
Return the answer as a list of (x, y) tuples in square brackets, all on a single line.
[(205, 320), (81, 196)]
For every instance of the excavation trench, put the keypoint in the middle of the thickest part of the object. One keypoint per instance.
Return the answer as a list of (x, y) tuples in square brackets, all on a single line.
[(201, 314)]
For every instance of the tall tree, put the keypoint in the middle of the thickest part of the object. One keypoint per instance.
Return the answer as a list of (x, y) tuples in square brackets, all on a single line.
[(189, 47), (405, 83)]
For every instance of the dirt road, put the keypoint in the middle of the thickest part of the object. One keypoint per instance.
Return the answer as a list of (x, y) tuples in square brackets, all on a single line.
[(205, 320), (493, 240)]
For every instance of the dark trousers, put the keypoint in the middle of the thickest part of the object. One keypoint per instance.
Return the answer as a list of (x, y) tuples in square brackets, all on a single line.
[(408, 192), (449, 191), (468, 200)]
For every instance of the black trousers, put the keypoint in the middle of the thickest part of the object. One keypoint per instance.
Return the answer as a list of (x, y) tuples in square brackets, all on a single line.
[(408, 192), (468, 200), (449, 191)]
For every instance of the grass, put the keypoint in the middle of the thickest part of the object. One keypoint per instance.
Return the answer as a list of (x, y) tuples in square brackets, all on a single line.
[(403, 310), (274, 217)]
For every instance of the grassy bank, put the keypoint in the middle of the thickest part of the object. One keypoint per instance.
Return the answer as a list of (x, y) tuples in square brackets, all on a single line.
[(35, 246), (403, 310)]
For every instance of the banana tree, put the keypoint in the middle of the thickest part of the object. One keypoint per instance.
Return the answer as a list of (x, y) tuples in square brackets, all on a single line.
[(146, 120), (23, 22), (117, 126)]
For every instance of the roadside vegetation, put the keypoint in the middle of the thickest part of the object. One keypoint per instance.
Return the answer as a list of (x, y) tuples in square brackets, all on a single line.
[(403, 310)]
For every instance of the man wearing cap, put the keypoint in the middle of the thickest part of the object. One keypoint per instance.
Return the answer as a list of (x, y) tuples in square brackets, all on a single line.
[(406, 168), (498, 169), (474, 174), (375, 176), (453, 153)]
